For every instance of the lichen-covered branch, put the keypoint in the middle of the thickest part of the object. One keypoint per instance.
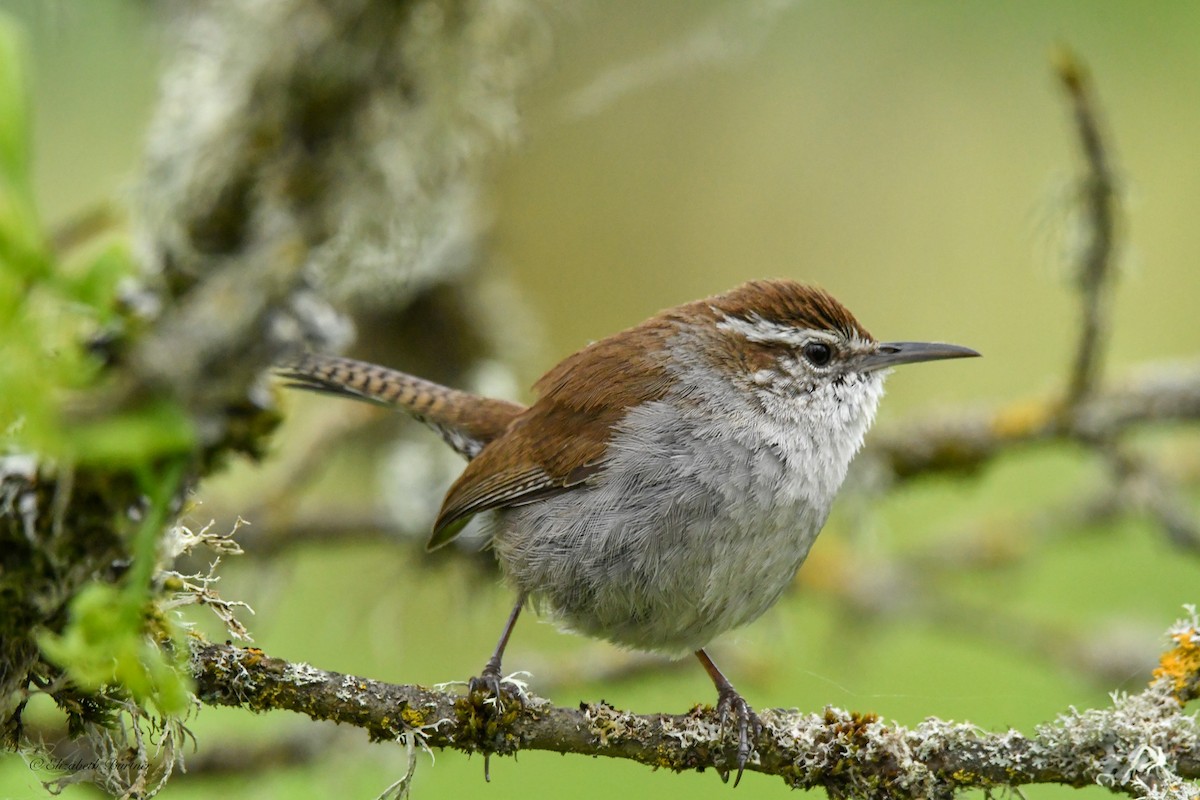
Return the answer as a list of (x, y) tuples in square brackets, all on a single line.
[(1139, 741)]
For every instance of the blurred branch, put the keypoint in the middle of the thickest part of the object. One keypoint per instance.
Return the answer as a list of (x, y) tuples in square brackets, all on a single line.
[(338, 530), (95, 221), (252, 756), (965, 440), (1094, 272), (1146, 488), (1142, 740)]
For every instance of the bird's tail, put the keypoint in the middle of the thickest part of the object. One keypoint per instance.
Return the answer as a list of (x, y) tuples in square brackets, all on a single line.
[(466, 421)]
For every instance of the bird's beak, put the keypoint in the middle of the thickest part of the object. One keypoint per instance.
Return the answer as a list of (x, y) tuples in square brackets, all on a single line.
[(893, 354)]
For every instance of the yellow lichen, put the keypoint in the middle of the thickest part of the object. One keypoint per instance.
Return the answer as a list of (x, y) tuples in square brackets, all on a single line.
[(1023, 419), (411, 717), (965, 777)]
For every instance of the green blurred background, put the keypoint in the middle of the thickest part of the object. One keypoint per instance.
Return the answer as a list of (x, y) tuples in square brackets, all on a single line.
[(916, 159)]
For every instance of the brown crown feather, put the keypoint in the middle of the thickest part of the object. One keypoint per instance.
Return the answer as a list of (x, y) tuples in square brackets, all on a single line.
[(788, 303)]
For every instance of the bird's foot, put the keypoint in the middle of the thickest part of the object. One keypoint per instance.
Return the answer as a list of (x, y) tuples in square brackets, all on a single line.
[(495, 696), (733, 708), (497, 689)]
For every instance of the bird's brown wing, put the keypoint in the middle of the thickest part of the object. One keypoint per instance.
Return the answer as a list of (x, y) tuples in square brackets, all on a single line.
[(562, 440), (494, 479)]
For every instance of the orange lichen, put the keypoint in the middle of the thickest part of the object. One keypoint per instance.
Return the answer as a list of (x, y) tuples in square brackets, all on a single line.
[(1181, 665)]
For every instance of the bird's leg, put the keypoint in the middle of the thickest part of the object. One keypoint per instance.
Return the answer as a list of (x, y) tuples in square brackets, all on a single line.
[(732, 704), (491, 678)]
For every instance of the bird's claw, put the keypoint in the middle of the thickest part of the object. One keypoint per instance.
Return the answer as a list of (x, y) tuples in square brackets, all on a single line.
[(732, 707), (498, 689), (487, 682), (491, 688)]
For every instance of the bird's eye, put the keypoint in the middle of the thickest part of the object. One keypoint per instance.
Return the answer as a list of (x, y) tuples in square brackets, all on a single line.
[(818, 353)]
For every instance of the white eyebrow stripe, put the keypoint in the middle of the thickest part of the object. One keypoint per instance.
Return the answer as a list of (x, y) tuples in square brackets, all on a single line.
[(757, 329)]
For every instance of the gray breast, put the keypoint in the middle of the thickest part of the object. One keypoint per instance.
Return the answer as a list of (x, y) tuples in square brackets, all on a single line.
[(695, 526)]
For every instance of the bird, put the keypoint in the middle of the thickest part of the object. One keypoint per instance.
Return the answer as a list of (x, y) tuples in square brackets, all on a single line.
[(668, 481)]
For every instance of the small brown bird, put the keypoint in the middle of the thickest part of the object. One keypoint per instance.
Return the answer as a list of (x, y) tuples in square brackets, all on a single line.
[(669, 480)]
